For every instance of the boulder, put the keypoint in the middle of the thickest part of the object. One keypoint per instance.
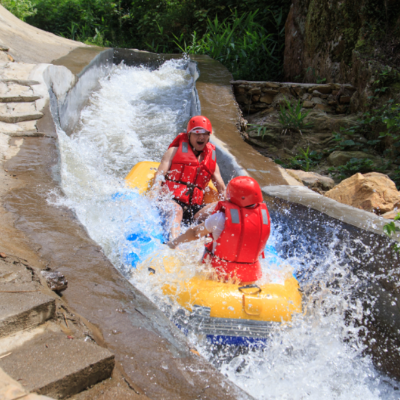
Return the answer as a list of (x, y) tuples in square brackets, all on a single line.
[(343, 157), (374, 192), (308, 104), (312, 179)]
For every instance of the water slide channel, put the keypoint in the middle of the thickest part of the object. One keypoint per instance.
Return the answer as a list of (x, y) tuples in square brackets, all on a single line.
[(132, 115)]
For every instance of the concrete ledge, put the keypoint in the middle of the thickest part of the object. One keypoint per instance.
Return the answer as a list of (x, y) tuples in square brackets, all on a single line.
[(54, 365), (342, 212), (21, 311)]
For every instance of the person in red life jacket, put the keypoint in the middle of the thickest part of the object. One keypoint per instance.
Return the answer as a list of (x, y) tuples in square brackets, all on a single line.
[(239, 227), (186, 170)]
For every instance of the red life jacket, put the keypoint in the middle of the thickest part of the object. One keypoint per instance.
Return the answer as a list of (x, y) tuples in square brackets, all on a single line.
[(241, 242), (187, 177)]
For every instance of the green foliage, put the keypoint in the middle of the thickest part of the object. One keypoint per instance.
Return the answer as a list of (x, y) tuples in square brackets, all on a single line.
[(377, 124), (20, 8), (292, 118), (391, 228), (353, 166), (261, 129), (305, 160), (240, 43), (249, 43)]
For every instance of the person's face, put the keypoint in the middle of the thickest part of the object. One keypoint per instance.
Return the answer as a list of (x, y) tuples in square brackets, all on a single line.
[(199, 140)]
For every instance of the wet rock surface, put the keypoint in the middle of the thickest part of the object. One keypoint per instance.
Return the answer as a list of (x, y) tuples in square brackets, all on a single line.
[(313, 180)]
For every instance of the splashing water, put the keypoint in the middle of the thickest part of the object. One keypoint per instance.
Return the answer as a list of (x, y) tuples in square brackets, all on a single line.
[(133, 117)]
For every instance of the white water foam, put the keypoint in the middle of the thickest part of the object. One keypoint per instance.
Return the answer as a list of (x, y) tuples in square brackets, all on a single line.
[(133, 117)]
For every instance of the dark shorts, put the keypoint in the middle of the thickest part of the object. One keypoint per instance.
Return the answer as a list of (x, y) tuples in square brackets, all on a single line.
[(189, 211)]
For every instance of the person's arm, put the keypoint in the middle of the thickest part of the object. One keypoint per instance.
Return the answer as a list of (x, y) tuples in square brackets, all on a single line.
[(191, 234), (162, 170), (166, 162), (218, 182)]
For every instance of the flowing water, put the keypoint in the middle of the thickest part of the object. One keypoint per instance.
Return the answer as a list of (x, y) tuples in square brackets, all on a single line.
[(133, 117)]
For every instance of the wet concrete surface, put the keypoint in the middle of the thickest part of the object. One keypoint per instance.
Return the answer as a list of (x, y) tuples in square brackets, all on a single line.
[(78, 58), (218, 104), (154, 355)]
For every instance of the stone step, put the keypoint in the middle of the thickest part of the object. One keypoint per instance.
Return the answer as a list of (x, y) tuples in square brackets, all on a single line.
[(24, 82), (21, 308), (10, 389), (17, 117), (19, 98), (58, 366), (11, 92), (20, 129), (18, 112)]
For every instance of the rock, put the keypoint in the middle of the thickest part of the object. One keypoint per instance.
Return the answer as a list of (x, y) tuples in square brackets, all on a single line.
[(306, 96), (317, 100), (344, 99), (374, 192), (343, 157), (284, 90), (255, 91), (55, 280), (267, 98), (3, 255), (323, 107), (391, 214), (298, 90), (312, 179), (271, 85), (240, 90), (255, 98), (308, 104), (315, 93), (332, 102), (324, 89), (270, 91)]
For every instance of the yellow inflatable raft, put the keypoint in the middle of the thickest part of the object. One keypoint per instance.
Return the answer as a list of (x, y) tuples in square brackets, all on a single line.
[(218, 309)]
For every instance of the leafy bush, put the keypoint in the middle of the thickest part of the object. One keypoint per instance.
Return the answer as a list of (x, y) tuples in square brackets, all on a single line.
[(261, 129), (20, 8), (250, 44), (352, 167), (240, 43), (292, 118), (391, 228), (304, 161)]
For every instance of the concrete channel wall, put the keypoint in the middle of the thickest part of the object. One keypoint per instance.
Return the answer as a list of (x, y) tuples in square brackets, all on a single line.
[(154, 357), (312, 218)]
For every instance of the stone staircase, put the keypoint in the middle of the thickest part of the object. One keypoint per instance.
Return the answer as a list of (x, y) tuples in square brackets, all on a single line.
[(45, 350), (19, 96), (38, 352)]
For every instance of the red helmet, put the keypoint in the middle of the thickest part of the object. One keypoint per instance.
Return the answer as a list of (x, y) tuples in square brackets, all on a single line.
[(244, 191), (199, 122)]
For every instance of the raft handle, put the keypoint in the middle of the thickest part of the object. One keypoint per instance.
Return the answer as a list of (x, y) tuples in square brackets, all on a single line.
[(250, 287), (151, 270)]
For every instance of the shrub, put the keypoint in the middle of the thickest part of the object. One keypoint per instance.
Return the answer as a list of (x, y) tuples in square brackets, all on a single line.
[(292, 118)]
